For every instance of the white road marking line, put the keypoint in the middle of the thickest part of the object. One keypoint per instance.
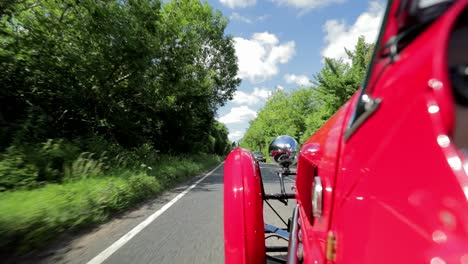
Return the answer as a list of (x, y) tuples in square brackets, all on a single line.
[(124, 239)]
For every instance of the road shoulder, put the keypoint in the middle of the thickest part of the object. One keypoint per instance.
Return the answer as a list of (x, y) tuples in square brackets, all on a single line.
[(81, 247)]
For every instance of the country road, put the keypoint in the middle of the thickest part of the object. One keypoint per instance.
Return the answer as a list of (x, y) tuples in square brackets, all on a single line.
[(189, 230)]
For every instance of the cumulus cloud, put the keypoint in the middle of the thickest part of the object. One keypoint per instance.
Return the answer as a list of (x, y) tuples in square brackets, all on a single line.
[(340, 35), (307, 4), (260, 56), (236, 135), (238, 3), (300, 80), (238, 115), (238, 17), (258, 95)]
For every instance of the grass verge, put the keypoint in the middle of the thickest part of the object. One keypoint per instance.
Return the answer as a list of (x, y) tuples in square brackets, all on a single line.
[(29, 218)]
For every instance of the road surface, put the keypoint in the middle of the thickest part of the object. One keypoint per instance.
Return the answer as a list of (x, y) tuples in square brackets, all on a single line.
[(189, 230)]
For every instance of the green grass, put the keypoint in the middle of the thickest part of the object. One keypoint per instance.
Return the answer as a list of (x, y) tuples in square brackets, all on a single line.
[(29, 218)]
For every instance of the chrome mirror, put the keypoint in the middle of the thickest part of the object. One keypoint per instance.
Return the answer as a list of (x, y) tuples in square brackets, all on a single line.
[(283, 150)]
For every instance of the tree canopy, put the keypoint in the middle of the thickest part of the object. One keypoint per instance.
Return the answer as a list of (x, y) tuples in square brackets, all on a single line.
[(302, 111), (133, 71)]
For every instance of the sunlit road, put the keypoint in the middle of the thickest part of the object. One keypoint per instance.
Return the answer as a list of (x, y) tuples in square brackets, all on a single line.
[(189, 231)]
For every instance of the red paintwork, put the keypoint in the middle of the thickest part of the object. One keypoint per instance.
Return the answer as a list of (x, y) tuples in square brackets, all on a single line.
[(395, 195), (394, 192), (244, 240), (318, 156)]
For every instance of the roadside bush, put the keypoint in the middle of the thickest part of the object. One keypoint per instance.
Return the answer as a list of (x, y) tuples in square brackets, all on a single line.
[(30, 166), (85, 166), (58, 160), (15, 172), (141, 186), (29, 218), (51, 157)]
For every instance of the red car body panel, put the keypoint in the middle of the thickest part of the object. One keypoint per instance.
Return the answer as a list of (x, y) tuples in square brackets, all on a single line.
[(319, 157), (401, 192)]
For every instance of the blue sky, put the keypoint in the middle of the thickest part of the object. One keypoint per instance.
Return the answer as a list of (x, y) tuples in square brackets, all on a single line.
[(280, 45)]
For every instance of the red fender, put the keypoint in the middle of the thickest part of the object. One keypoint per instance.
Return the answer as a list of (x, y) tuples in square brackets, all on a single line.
[(244, 237)]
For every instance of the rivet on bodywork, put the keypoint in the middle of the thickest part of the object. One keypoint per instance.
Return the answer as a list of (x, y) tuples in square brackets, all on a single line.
[(443, 140), (437, 260), (435, 84)]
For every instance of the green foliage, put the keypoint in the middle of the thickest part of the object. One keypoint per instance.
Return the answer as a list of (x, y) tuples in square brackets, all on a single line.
[(88, 85), (60, 161), (336, 83), (30, 166), (6, 6), (51, 157), (103, 104), (134, 72), (303, 111), (221, 144), (85, 166), (15, 171), (283, 114), (30, 218), (141, 186)]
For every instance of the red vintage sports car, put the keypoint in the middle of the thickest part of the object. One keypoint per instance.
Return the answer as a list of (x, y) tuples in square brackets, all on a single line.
[(385, 179)]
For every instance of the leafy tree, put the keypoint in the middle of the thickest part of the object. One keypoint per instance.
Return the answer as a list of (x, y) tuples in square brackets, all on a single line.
[(303, 111), (283, 114), (221, 143), (336, 83), (132, 71), (198, 72), (6, 6)]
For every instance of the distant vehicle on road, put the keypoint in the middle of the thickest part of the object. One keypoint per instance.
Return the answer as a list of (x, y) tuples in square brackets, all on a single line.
[(259, 156)]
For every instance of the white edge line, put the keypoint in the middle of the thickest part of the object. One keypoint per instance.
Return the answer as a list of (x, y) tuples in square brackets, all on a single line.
[(124, 239)]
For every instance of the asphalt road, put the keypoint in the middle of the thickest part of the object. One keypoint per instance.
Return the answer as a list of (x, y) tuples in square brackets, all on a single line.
[(189, 231)]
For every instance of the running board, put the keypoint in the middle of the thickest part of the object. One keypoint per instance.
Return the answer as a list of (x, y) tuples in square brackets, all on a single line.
[(270, 229), (279, 196)]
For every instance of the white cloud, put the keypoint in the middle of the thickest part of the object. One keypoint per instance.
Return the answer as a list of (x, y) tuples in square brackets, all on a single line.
[(258, 95), (300, 80), (266, 38), (238, 3), (339, 35), (236, 135), (238, 17), (260, 56), (238, 115), (307, 4)]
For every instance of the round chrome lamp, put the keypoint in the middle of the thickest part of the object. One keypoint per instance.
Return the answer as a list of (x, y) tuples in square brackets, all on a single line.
[(283, 150)]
